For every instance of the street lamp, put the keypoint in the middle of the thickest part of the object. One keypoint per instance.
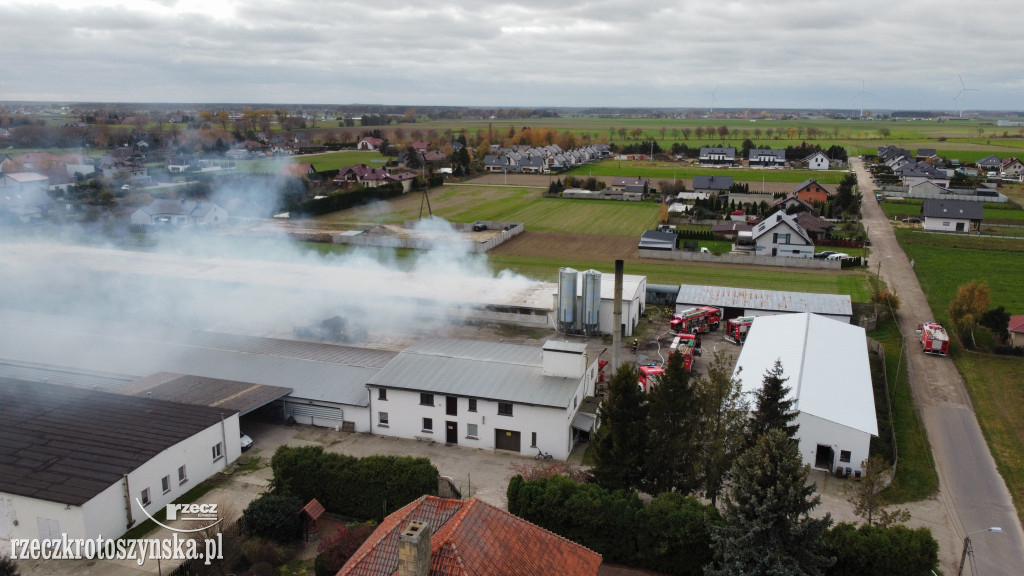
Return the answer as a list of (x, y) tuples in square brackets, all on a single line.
[(968, 550)]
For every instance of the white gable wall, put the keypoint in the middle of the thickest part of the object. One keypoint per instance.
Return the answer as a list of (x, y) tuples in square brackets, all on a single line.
[(815, 430)]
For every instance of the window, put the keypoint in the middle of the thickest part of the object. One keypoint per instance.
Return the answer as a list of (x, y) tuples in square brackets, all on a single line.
[(844, 455), (472, 404), (426, 399), (533, 439), (218, 451), (428, 424), (382, 419), (182, 475), (471, 430), (382, 394), (504, 408), (165, 484), (145, 497)]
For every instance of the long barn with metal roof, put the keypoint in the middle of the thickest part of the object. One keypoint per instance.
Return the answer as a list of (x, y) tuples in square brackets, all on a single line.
[(748, 302)]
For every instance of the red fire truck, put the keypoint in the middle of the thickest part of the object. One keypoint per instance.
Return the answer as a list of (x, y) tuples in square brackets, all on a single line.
[(934, 339), (736, 329), (697, 320), (648, 376), (685, 344)]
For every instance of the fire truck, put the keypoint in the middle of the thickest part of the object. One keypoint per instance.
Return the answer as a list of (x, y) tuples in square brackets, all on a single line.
[(934, 339), (648, 376), (736, 329), (697, 320), (685, 344)]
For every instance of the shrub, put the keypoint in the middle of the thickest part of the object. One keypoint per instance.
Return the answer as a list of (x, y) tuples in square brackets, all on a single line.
[(874, 551), (336, 549), (8, 567), (273, 517)]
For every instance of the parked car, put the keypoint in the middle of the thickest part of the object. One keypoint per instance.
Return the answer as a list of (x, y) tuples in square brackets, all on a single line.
[(245, 441), (912, 220), (838, 256), (824, 254)]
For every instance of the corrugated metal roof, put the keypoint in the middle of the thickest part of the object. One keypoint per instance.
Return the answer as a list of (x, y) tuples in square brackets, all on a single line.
[(825, 360), (242, 397), (773, 300), (91, 381), (473, 368)]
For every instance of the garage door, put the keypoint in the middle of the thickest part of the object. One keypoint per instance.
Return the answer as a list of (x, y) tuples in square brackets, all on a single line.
[(506, 440)]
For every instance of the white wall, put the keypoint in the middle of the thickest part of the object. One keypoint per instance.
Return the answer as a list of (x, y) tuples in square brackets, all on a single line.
[(815, 430), (105, 514), (946, 224), (630, 315), (328, 414), (26, 512)]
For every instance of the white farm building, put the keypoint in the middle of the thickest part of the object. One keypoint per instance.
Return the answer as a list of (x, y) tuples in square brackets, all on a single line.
[(747, 302), (486, 395), (829, 375)]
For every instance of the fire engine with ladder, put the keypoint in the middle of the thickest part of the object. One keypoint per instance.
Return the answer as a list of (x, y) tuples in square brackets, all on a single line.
[(934, 339), (697, 320)]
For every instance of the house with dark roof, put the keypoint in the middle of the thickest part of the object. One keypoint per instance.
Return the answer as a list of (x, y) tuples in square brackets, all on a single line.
[(712, 184), (716, 156), (369, 143), (434, 536), (941, 215), (779, 235), (767, 158), (817, 161), (815, 226), (655, 240), (989, 163), (789, 201), (87, 463), (811, 191), (1011, 168)]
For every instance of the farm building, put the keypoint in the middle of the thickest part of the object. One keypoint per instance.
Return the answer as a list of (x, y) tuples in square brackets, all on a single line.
[(487, 395), (477, 537), (829, 377), (88, 463), (654, 240), (745, 302), (951, 215), (602, 293)]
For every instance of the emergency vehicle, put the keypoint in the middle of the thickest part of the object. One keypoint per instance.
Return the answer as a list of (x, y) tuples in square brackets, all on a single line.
[(934, 339), (736, 329), (697, 320)]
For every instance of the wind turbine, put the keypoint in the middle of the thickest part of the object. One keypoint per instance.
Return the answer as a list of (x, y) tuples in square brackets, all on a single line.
[(963, 94), (713, 100), (861, 95)]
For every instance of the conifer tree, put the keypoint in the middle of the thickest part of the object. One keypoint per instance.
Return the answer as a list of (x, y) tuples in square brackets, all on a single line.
[(772, 407), (673, 442), (620, 441)]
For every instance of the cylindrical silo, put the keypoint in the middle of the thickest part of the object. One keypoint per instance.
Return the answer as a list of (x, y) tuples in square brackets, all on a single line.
[(567, 314), (591, 308)]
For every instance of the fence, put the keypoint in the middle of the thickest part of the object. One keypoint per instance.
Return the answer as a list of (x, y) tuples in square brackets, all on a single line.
[(878, 350), (508, 230), (749, 260)]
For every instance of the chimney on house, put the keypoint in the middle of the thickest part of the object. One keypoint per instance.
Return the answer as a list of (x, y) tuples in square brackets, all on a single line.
[(414, 550)]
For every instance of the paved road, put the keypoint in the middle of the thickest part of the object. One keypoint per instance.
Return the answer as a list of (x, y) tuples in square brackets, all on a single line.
[(970, 486)]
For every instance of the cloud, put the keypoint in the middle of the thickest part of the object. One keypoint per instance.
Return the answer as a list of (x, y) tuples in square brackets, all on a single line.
[(786, 53)]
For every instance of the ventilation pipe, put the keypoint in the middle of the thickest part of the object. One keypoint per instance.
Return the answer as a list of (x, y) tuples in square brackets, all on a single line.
[(617, 318)]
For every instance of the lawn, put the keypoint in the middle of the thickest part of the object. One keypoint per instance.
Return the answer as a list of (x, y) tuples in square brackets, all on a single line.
[(671, 171)]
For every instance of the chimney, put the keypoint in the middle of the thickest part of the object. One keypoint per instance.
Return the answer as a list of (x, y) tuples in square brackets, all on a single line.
[(414, 550), (617, 318)]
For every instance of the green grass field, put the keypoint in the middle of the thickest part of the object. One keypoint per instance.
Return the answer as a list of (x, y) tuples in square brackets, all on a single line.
[(670, 171)]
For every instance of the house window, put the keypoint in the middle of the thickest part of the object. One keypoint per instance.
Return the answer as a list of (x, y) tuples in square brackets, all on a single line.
[(382, 394), (504, 408), (471, 431), (426, 399), (182, 475), (165, 484), (472, 404), (844, 455), (145, 497), (382, 419), (533, 439), (218, 451), (428, 424)]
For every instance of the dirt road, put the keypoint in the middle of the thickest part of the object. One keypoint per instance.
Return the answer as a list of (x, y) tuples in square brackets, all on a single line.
[(971, 488)]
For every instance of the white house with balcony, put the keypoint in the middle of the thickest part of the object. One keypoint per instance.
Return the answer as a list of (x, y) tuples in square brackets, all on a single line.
[(779, 235), (487, 395)]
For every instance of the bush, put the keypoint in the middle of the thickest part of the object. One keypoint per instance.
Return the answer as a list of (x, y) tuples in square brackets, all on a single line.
[(273, 517), (352, 487), (873, 551), (8, 567), (336, 549), (673, 535)]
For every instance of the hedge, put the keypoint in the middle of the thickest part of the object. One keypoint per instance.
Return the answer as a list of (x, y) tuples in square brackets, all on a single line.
[(273, 517), (873, 551), (361, 488), (347, 199)]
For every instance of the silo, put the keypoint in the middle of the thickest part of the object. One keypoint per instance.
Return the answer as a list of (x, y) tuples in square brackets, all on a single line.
[(591, 308), (567, 314)]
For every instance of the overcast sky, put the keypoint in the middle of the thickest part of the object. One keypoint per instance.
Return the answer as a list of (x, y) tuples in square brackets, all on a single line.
[(530, 53)]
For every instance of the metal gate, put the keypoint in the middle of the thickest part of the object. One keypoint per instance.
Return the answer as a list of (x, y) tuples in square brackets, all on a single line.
[(328, 416)]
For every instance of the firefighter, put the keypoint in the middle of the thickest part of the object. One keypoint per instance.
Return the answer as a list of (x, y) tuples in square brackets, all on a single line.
[(635, 344)]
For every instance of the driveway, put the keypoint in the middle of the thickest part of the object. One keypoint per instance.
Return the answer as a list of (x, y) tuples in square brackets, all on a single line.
[(971, 489)]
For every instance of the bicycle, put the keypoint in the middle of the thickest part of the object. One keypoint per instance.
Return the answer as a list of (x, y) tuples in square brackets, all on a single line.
[(542, 455)]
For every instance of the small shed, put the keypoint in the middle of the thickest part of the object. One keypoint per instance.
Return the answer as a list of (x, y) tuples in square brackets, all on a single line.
[(310, 515)]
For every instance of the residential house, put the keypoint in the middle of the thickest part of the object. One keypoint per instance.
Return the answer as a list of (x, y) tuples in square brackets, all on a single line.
[(654, 240), (943, 215), (299, 170), (636, 185), (811, 191), (1016, 330), (236, 154), (24, 197), (362, 175), (815, 226), (716, 156), (779, 235), (831, 392), (369, 143), (83, 463), (434, 536), (926, 189), (817, 161), (487, 395), (925, 153), (179, 162), (991, 163), (731, 229), (712, 184), (1011, 168), (419, 146), (917, 172), (767, 158), (791, 200), (179, 213)]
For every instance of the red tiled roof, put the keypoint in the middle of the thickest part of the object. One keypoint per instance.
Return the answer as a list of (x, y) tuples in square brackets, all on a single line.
[(314, 509), (475, 538), (1016, 323)]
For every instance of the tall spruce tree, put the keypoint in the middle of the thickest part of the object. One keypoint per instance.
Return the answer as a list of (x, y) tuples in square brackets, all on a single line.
[(766, 525), (723, 410), (772, 407), (673, 450), (620, 442)]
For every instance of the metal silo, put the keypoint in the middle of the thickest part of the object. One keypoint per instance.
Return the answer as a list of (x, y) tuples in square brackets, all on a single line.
[(590, 314), (567, 314)]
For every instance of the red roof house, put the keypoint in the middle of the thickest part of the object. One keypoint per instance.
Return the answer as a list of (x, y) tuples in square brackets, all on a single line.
[(435, 536), (1016, 329)]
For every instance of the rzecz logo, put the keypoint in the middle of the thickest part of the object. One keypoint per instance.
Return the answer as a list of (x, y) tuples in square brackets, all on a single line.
[(200, 513)]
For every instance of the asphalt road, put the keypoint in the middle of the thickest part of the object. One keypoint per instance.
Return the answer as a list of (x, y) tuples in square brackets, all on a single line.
[(970, 486)]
